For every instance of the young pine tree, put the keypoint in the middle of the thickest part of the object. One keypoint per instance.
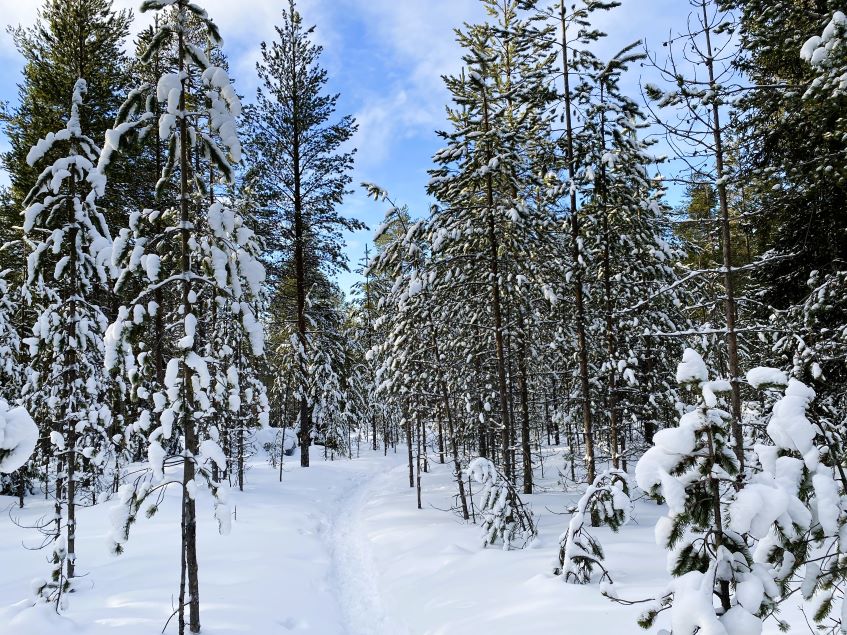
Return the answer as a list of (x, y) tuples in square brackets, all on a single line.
[(197, 120), (694, 468), (67, 271)]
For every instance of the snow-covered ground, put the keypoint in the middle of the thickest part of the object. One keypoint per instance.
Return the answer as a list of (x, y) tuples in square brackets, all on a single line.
[(338, 549)]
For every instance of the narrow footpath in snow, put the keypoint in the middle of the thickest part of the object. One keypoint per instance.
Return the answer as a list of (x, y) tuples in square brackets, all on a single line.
[(354, 573)]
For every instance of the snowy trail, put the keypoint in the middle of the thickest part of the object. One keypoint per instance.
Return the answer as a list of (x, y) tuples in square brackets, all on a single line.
[(304, 561), (353, 571)]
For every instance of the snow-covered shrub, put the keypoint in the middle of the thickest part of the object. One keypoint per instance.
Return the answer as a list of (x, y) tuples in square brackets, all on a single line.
[(504, 516), (794, 509), (18, 436), (605, 502), (694, 468)]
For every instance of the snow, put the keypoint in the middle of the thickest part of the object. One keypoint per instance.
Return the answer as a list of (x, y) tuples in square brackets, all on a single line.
[(697, 611), (169, 89), (57, 439), (211, 450), (152, 263), (763, 377), (789, 428), (670, 447), (828, 501), (18, 436), (818, 48), (337, 549), (156, 455), (692, 369)]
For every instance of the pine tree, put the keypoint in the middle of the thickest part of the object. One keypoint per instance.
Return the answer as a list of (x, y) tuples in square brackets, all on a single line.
[(798, 183), (505, 518), (67, 268), (794, 508), (695, 469), (197, 119), (703, 140), (71, 39), (605, 502), (576, 34), (232, 255), (412, 358), (304, 179), (625, 251), (483, 181)]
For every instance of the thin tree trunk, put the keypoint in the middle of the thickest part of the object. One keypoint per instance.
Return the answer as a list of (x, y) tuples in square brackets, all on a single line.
[(189, 508), (300, 262), (418, 458), (526, 448), (409, 448), (496, 304), (726, 237), (579, 300), (611, 334), (451, 429)]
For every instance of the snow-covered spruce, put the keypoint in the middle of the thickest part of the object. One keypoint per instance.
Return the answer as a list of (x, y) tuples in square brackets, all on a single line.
[(694, 469), (178, 420), (605, 502), (67, 273), (505, 518)]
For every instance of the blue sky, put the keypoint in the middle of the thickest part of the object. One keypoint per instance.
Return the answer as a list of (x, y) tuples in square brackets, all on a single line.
[(386, 58)]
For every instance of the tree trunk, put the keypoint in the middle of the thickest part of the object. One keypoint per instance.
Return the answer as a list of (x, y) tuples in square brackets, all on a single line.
[(611, 334), (526, 448), (726, 237), (418, 459), (300, 264), (496, 304), (409, 448), (579, 301), (189, 507), (451, 430)]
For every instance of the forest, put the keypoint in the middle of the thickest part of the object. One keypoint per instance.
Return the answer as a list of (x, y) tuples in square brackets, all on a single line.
[(596, 384)]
